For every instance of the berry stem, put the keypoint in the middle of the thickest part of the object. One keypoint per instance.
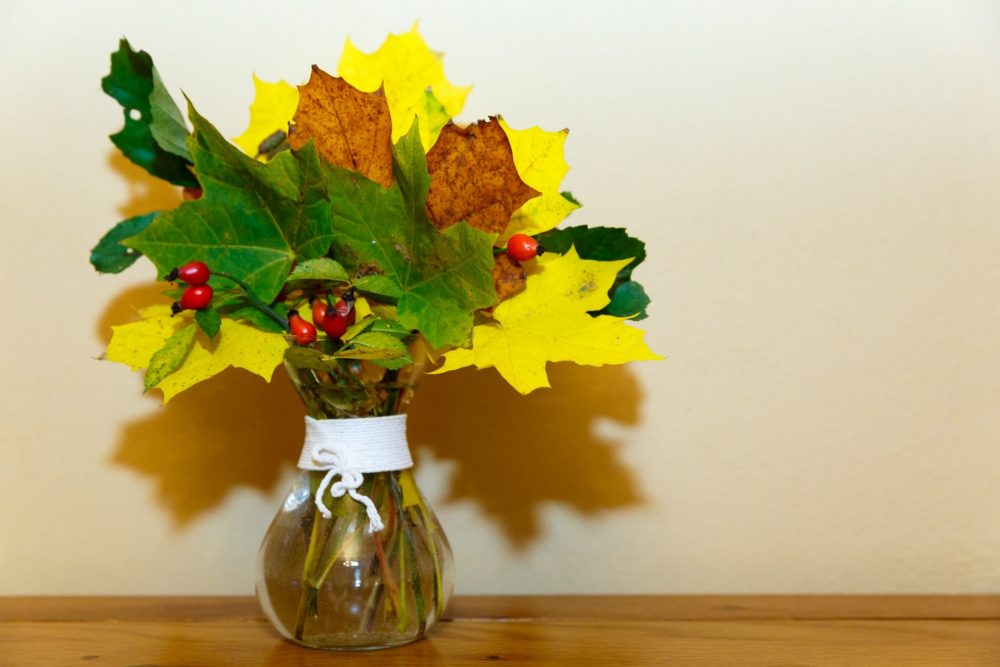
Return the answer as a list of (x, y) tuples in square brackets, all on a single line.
[(254, 299)]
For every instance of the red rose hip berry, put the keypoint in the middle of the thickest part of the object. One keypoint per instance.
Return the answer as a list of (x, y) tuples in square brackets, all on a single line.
[(318, 310), (303, 332), (192, 273), (345, 308), (196, 297), (334, 324), (522, 247)]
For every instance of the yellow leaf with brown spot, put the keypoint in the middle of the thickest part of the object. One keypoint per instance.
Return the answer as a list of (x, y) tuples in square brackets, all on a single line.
[(549, 321), (350, 128), (473, 178), (237, 344), (412, 77), (539, 158), (271, 111)]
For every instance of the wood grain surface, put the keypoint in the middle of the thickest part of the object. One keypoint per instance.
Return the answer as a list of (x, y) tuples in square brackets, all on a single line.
[(546, 630)]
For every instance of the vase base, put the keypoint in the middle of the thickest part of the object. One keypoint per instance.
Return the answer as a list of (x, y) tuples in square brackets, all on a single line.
[(349, 643)]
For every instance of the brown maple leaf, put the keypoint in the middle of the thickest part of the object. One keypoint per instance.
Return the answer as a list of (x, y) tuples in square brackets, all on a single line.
[(350, 128), (473, 178), (509, 277)]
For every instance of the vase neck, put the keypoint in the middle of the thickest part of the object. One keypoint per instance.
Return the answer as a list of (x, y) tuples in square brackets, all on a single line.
[(353, 389)]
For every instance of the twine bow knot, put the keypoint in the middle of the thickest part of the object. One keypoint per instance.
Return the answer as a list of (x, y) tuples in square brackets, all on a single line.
[(331, 460)]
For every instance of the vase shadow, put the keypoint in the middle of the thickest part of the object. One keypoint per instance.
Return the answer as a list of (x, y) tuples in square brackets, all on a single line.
[(515, 454)]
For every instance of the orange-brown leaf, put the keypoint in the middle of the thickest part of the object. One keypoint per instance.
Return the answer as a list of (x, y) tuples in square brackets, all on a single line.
[(509, 277), (473, 178), (350, 128)]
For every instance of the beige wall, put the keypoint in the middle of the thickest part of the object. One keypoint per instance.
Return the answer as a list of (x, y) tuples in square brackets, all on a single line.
[(819, 184)]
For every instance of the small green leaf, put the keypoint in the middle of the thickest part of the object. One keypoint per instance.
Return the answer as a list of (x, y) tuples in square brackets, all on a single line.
[(393, 364), (167, 126), (373, 346), (568, 196), (109, 255), (375, 325), (209, 321), (628, 300), (322, 268), (313, 359), (357, 328), (390, 327), (238, 307), (379, 286), (134, 83), (169, 357)]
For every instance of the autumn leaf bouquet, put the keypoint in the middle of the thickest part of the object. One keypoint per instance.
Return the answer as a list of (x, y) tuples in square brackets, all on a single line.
[(358, 235)]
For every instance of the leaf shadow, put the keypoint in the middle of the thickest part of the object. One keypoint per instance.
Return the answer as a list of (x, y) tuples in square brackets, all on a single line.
[(145, 193), (515, 454), (236, 431)]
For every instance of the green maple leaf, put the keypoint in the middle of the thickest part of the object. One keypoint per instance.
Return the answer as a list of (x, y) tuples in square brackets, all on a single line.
[(438, 278), (154, 134), (254, 219)]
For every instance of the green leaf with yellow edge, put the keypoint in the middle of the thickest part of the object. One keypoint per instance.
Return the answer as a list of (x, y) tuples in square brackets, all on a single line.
[(538, 156), (406, 69), (238, 345), (271, 111), (169, 357), (549, 321)]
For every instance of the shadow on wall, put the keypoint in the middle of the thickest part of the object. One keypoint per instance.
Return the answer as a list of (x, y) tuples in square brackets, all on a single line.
[(233, 431), (513, 454), (145, 193)]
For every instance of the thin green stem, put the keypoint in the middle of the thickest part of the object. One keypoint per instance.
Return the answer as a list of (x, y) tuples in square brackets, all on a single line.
[(408, 552), (308, 592), (256, 300), (419, 512)]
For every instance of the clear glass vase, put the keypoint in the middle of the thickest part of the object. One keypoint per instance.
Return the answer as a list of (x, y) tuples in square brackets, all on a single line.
[(330, 583)]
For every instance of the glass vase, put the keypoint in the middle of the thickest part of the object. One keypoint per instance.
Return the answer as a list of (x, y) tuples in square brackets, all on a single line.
[(331, 583)]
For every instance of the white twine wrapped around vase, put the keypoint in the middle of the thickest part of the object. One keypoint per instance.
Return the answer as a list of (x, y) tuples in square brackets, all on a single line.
[(349, 448)]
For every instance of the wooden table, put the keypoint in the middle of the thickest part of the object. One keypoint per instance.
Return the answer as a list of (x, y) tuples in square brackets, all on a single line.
[(957, 631)]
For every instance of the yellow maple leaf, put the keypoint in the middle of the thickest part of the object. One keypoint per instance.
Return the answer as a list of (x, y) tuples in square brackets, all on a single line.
[(272, 109), (538, 156), (237, 344), (549, 321), (412, 77)]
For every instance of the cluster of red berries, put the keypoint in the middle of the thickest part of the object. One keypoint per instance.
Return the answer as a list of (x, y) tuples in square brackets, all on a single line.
[(198, 294), (522, 247), (334, 318)]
